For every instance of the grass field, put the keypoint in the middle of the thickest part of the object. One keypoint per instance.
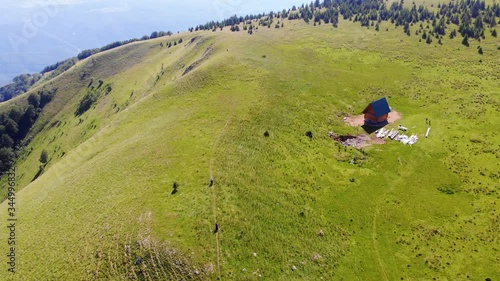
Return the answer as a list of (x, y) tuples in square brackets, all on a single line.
[(288, 207)]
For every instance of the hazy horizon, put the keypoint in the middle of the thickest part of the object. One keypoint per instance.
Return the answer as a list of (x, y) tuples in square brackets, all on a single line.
[(39, 33)]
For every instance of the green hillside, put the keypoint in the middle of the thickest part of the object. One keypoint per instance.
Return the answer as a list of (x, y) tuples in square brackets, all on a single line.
[(134, 134)]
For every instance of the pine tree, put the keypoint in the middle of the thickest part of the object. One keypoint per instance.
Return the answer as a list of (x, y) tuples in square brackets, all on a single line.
[(465, 41), (453, 34)]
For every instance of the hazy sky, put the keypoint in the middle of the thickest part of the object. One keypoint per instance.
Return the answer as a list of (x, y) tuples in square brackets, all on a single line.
[(37, 33)]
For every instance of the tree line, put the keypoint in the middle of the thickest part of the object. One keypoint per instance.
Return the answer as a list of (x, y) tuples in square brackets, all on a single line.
[(473, 18), (16, 124), (20, 84)]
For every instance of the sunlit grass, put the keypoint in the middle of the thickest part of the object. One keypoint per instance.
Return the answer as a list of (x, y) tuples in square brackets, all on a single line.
[(289, 207)]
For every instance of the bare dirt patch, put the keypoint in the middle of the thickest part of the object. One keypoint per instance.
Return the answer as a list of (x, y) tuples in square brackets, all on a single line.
[(393, 117), (359, 120), (360, 141), (355, 121)]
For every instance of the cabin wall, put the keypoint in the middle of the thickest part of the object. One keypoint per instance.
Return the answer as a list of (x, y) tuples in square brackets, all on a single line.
[(372, 120)]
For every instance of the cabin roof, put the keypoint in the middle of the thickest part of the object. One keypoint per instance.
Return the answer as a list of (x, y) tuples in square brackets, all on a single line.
[(380, 107)]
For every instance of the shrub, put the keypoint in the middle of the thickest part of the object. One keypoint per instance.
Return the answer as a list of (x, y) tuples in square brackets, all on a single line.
[(86, 102), (44, 157), (446, 190), (309, 134), (174, 188)]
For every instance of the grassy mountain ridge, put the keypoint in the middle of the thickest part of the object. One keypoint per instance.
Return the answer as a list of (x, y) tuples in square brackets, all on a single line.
[(73, 84), (108, 184)]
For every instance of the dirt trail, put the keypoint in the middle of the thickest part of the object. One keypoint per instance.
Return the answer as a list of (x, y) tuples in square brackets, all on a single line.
[(359, 120), (214, 191), (375, 244), (377, 209)]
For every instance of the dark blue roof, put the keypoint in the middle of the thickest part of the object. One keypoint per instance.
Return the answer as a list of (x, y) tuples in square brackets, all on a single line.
[(380, 107)]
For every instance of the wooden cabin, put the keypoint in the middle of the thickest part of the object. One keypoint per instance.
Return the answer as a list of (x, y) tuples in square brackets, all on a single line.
[(376, 113)]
